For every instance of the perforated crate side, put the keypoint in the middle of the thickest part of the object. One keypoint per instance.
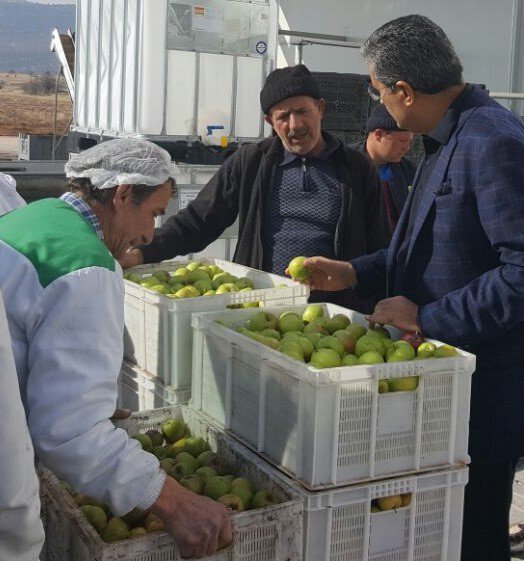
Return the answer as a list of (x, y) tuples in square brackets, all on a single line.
[(329, 427)]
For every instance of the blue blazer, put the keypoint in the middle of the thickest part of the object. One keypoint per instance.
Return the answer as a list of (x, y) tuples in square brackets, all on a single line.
[(465, 266)]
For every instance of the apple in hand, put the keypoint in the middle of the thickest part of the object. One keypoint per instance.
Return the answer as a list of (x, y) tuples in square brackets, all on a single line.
[(297, 270)]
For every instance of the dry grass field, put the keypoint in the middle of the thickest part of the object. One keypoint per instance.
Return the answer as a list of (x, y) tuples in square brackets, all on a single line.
[(34, 114)]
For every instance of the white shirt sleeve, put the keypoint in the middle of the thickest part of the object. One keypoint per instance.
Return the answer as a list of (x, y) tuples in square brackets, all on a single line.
[(9, 198), (75, 335), (21, 531)]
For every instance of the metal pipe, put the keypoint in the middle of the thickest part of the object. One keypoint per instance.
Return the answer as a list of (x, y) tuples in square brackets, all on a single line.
[(321, 36), (506, 95)]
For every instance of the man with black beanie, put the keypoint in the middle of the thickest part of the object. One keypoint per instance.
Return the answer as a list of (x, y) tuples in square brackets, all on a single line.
[(300, 192), (387, 146)]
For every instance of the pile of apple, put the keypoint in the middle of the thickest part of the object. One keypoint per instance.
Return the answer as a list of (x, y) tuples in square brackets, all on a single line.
[(390, 503), (328, 342), (193, 280), (187, 459)]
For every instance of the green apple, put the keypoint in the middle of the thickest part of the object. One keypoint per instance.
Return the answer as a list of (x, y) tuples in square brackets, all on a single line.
[(145, 441), (337, 322), (291, 348), (195, 446), (379, 331), (313, 337), (245, 495), (159, 451), (290, 322), (157, 438), (217, 486), (356, 330), (330, 342), (181, 271), (132, 277), (162, 276), (346, 339), (115, 530), (317, 325), (350, 360), (214, 270), (232, 502), (187, 292), (244, 282), (404, 384), (197, 275), (263, 499), (243, 482), (261, 321), (193, 482), (426, 350), (222, 278), (203, 285), (181, 469), (96, 516), (137, 532), (161, 288), (383, 386), (174, 429), (207, 458), (312, 312), (226, 288), (297, 270), (207, 270), (370, 357), (175, 287), (149, 281), (271, 333), (193, 265), (370, 343), (206, 472), (445, 351), (400, 351), (325, 358), (167, 463), (389, 503), (306, 345), (209, 293)]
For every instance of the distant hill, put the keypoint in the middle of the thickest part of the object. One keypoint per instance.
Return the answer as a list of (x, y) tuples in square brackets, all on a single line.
[(25, 34)]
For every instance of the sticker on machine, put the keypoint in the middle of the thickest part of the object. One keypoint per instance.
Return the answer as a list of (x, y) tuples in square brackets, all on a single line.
[(261, 47), (208, 18)]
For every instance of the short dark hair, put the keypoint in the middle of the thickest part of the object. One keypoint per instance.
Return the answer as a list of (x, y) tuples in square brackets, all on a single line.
[(416, 50), (82, 186)]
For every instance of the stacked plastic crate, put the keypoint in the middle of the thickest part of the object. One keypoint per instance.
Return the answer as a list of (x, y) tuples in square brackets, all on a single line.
[(349, 449), (158, 347)]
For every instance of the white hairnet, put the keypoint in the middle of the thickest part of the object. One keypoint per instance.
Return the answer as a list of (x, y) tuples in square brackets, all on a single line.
[(122, 162)]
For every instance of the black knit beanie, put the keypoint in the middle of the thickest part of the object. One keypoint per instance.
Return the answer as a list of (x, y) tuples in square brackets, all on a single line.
[(284, 83), (381, 119)]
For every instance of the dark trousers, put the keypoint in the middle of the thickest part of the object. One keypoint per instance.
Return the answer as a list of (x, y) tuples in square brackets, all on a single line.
[(485, 534)]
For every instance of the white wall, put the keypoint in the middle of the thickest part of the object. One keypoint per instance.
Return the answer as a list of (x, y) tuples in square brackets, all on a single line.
[(484, 33)]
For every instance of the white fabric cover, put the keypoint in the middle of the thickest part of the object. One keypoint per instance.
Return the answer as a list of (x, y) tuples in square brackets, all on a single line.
[(21, 531)]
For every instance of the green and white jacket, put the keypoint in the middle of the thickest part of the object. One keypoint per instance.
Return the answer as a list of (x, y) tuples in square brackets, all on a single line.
[(64, 299)]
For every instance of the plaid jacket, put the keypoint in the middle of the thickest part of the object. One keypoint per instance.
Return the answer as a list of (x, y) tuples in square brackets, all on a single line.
[(465, 266)]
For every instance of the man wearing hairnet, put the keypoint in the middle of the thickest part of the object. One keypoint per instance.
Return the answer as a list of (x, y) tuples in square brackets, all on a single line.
[(64, 296)]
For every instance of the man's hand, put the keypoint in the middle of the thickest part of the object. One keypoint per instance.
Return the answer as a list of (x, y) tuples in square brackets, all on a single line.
[(328, 274), (131, 258), (199, 525), (398, 312)]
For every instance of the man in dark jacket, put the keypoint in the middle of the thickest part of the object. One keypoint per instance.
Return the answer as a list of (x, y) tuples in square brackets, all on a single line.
[(387, 146), (301, 192)]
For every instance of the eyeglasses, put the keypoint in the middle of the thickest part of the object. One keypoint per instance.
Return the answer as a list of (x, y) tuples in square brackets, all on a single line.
[(375, 94)]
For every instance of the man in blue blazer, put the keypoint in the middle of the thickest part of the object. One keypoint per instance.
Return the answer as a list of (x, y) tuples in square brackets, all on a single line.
[(455, 266)]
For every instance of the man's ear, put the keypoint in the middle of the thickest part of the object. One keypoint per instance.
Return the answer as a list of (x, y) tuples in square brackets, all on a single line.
[(123, 195), (267, 118), (406, 93), (321, 107), (378, 134)]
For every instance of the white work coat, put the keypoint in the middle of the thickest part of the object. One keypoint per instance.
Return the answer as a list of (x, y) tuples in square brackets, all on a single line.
[(9, 198), (21, 531)]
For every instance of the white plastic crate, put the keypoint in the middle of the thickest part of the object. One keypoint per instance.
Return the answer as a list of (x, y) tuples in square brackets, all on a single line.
[(339, 524), (140, 391), (273, 533), (330, 427), (160, 327)]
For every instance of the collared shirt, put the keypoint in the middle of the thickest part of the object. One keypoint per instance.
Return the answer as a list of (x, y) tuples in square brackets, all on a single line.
[(434, 143), (85, 210), (302, 208)]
